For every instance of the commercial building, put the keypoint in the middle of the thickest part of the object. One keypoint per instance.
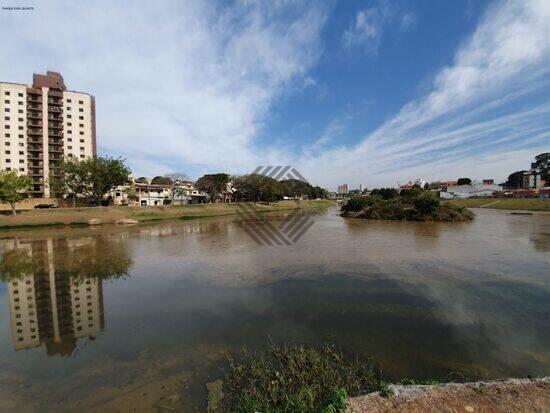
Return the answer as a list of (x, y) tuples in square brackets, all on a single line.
[(42, 123)]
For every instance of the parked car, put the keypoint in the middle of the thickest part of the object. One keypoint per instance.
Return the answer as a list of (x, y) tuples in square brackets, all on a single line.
[(45, 206)]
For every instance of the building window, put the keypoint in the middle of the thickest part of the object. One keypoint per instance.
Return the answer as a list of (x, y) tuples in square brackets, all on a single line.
[(81, 102), (21, 161), (69, 147), (20, 111), (7, 93), (8, 161), (20, 128), (21, 169), (68, 108), (7, 110), (69, 116), (20, 119), (6, 101), (7, 152), (81, 132), (8, 144), (20, 103), (69, 131), (70, 139), (68, 100), (7, 135), (20, 95), (81, 125), (81, 110), (81, 140), (21, 136), (7, 118), (69, 124), (81, 117)]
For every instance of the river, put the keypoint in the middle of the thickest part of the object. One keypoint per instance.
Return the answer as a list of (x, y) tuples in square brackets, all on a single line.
[(140, 318)]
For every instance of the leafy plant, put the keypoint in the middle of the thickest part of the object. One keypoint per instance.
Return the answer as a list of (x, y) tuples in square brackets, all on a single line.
[(296, 378)]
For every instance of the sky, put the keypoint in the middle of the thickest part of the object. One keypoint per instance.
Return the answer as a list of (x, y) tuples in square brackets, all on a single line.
[(373, 92)]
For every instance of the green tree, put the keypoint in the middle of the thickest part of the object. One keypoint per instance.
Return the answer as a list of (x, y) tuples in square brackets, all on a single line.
[(464, 181), (212, 184), (161, 180), (13, 187), (426, 202), (94, 177), (542, 166), (141, 180)]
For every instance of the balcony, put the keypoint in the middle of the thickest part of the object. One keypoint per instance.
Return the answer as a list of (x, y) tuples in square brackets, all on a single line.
[(54, 109), (55, 118), (34, 124), (53, 149), (56, 102), (37, 131), (36, 172), (55, 141), (34, 148), (34, 140), (55, 133), (34, 107), (35, 157), (34, 115), (56, 125)]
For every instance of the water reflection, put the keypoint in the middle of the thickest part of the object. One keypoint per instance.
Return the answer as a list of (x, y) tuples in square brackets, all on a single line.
[(55, 289), (423, 300)]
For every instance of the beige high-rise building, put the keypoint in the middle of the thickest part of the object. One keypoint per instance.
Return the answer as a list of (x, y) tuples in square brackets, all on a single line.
[(41, 124)]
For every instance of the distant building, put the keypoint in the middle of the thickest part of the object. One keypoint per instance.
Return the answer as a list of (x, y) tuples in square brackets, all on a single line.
[(40, 125), (343, 189), (475, 190), (524, 180), (488, 182)]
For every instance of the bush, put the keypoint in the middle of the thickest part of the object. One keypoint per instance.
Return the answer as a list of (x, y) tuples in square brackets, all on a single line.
[(355, 204), (425, 203), (296, 379)]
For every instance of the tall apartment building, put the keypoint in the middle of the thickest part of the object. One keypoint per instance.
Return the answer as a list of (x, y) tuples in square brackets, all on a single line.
[(41, 124)]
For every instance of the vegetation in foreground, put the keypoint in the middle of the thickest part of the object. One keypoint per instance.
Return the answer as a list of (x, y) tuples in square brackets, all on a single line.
[(297, 378), (413, 205), (512, 204)]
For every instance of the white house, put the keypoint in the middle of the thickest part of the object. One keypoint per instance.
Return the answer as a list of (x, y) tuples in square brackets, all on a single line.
[(475, 190)]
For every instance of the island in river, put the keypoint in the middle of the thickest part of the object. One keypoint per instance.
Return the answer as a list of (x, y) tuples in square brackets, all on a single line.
[(413, 205)]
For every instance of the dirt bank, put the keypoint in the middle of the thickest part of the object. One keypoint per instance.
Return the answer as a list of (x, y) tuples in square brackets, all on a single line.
[(513, 395), (108, 215)]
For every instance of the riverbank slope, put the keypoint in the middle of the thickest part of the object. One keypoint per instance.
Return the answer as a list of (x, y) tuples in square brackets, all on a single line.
[(109, 215), (512, 204), (512, 395)]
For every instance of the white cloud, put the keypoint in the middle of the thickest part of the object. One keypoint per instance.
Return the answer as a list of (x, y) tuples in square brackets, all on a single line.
[(366, 29), (490, 104), (180, 83), (408, 21)]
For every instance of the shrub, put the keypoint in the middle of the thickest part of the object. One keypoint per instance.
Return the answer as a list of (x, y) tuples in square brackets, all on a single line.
[(296, 379), (425, 203), (355, 204)]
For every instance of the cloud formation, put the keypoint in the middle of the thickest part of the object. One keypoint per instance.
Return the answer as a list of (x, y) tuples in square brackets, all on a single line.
[(186, 85), (486, 115)]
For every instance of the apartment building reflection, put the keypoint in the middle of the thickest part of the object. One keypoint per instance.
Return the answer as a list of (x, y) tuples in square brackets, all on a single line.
[(51, 307)]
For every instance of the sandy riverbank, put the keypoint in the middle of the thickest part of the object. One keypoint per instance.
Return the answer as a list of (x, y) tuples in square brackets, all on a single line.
[(513, 395), (108, 215)]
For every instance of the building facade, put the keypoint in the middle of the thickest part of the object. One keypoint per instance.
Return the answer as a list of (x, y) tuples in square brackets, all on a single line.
[(343, 189), (40, 125)]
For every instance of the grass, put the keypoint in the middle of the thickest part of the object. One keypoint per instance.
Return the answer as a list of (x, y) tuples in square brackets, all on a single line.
[(296, 378), (80, 216), (533, 204)]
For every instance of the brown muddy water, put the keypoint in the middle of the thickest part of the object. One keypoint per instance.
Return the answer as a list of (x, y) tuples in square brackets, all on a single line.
[(140, 318)]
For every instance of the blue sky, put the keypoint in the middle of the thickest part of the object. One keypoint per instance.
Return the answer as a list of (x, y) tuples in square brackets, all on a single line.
[(362, 92)]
